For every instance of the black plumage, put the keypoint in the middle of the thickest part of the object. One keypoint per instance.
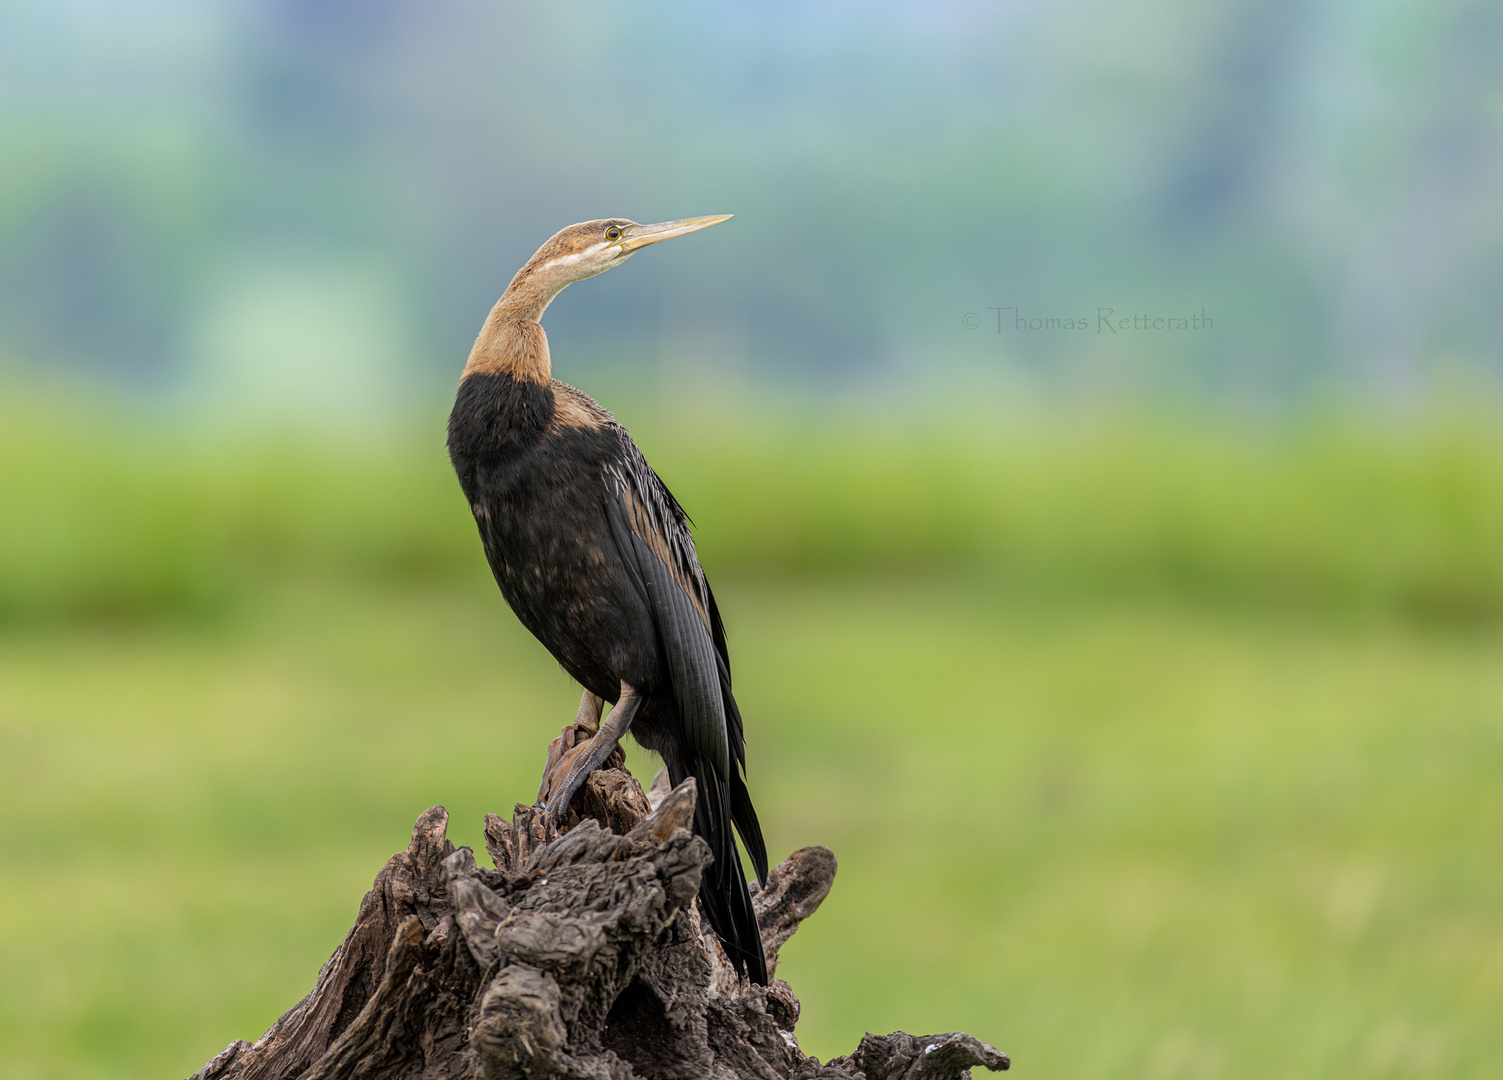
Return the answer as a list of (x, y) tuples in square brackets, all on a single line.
[(595, 556)]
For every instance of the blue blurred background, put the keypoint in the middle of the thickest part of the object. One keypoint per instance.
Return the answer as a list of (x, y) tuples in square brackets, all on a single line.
[(1091, 417), (298, 205)]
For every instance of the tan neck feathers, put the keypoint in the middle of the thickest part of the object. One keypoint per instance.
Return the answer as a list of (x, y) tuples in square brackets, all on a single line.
[(512, 341), (510, 346)]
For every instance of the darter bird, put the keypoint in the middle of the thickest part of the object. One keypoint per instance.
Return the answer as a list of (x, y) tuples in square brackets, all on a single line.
[(594, 554)]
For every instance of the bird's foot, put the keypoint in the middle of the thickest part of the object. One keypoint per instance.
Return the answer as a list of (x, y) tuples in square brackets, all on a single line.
[(564, 754), (565, 750), (566, 778), (569, 765)]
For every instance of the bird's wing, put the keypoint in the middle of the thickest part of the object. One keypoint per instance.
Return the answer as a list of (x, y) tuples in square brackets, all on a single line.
[(652, 533)]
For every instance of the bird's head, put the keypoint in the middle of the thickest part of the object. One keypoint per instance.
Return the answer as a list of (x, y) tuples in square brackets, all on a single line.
[(506, 343), (593, 247)]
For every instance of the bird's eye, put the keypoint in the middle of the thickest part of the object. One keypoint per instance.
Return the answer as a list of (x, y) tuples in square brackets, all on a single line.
[(612, 233)]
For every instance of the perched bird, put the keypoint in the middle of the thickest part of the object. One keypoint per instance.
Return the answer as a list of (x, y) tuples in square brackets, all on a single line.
[(594, 555)]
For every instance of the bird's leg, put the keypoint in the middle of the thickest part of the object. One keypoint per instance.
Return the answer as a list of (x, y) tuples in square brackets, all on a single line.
[(589, 712), (596, 751), (564, 750)]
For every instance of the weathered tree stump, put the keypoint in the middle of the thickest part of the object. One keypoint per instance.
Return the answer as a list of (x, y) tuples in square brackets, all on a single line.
[(581, 956)]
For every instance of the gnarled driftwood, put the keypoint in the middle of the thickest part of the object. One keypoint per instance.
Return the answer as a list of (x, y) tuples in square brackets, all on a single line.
[(580, 956)]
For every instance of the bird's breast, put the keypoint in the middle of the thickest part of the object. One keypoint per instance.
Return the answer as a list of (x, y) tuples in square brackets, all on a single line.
[(538, 499)]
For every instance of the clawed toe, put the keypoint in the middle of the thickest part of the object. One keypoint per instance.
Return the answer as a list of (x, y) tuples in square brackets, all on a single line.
[(559, 806)]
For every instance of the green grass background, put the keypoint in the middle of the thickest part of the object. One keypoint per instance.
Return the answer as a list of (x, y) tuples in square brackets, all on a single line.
[(1148, 749)]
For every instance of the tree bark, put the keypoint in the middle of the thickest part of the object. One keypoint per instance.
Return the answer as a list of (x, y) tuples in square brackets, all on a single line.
[(581, 956)]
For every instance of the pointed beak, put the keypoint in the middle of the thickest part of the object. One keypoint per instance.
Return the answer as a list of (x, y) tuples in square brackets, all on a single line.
[(639, 236)]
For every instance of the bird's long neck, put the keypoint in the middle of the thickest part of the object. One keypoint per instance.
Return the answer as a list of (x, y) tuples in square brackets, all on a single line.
[(512, 341)]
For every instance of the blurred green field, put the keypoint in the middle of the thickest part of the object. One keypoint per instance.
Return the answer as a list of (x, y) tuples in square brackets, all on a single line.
[(112, 518), (1146, 751)]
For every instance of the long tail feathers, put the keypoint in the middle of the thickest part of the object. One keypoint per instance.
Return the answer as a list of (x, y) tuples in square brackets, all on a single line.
[(742, 811), (744, 814), (724, 897)]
